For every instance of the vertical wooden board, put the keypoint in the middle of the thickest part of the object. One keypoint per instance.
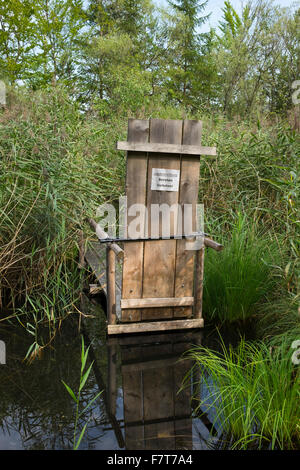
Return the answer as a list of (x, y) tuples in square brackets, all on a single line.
[(136, 184), (183, 427), (199, 275), (133, 409), (159, 405), (159, 256), (112, 388), (188, 194)]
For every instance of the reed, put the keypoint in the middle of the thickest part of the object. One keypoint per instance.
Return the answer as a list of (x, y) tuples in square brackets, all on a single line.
[(253, 393), (239, 280)]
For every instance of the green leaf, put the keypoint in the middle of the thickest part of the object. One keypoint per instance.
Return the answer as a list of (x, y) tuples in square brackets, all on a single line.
[(84, 378), (80, 437), (89, 403), (70, 392)]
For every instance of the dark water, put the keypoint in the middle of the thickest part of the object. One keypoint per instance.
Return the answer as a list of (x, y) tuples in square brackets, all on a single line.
[(142, 404)]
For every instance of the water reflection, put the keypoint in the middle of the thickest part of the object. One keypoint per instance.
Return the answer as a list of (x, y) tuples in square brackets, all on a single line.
[(142, 405), (157, 414)]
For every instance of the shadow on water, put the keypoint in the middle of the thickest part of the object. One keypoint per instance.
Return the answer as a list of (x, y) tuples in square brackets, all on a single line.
[(142, 405)]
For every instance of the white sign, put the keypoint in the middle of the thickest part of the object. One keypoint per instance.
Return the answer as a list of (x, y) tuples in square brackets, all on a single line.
[(164, 179)]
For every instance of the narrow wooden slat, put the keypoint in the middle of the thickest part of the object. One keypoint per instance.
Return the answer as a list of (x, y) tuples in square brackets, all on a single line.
[(199, 283), (159, 391), (136, 185), (156, 302), (155, 326), (133, 408), (112, 390), (111, 285), (182, 405), (167, 148), (154, 364), (189, 187), (159, 257)]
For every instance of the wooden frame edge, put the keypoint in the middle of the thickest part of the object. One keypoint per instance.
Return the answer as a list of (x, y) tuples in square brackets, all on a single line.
[(155, 326)]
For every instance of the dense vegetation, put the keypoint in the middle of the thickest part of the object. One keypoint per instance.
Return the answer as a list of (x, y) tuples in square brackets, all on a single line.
[(74, 72)]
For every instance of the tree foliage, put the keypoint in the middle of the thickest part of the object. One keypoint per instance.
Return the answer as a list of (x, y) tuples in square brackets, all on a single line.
[(118, 55)]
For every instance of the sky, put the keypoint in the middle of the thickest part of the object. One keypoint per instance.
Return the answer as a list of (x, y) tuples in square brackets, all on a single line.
[(215, 7)]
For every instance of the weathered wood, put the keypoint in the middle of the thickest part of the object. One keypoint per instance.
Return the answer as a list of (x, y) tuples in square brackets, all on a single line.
[(158, 389), (188, 194), (136, 186), (103, 235), (111, 285), (154, 364), (167, 148), (159, 258), (212, 244), (112, 379), (155, 326), (156, 302), (96, 260), (199, 283)]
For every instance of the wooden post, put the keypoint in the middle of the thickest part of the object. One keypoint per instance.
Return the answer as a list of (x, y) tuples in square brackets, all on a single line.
[(112, 378), (199, 282), (111, 285)]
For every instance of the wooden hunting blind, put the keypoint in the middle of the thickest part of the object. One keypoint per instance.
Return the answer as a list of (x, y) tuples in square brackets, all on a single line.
[(161, 285)]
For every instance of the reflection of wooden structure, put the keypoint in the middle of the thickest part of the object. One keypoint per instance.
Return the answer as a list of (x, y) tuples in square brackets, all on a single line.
[(161, 279), (156, 416)]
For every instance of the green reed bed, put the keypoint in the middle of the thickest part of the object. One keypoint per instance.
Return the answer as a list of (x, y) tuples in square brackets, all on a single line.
[(55, 169), (253, 393), (245, 275)]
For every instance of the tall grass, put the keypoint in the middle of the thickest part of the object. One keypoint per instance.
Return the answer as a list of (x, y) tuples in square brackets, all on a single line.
[(254, 393), (55, 169), (244, 275), (58, 164)]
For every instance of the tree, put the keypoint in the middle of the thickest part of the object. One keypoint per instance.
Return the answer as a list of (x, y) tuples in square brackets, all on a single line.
[(59, 27), (16, 39), (188, 65), (248, 55)]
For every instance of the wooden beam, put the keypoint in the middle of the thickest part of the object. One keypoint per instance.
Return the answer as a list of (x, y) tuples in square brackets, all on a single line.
[(155, 326), (103, 235), (111, 285), (151, 364), (157, 302), (212, 244), (198, 294), (196, 150)]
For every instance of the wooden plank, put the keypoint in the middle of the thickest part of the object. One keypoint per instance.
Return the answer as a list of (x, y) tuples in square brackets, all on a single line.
[(188, 194), (133, 409), (112, 389), (159, 406), (158, 302), (159, 257), (155, 326), (154, 364), (111, 285), (167, 148), (199, 283), (136, 185), (182, 406)]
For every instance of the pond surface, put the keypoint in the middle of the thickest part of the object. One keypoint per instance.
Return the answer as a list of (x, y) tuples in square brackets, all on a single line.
[(142, 403)]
